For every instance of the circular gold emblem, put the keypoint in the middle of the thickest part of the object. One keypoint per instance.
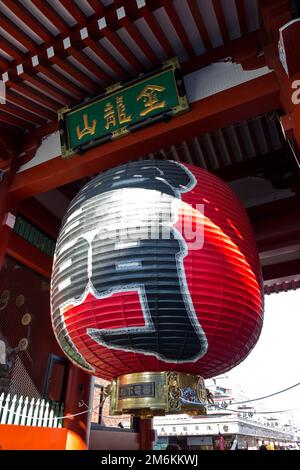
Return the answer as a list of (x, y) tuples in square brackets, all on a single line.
[(23, 344), (20, 300), (26, 319)]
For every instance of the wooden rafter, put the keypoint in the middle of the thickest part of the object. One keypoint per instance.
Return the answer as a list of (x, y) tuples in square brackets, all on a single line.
[(180, 30), (128, 24), (30, 256), (157, 31), (74, 10), (18, 34), (17, 99), (40, 216), (56, 77), (21, 12), (200, 24), (221, 20), (105, 57), (253, 136), (46, 88), (15, 121), (241, 11), (22, 113), (241, 141), (267, 134), (32, 94), (52, 80), (121, 48)]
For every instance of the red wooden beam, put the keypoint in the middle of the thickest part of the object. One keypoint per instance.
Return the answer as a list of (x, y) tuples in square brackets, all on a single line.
[(281, 286), (267, 133), (39, 29), (11, 50), (106, 57), (29, 256), (47, 88), (127, 23), (60, 59), (199, 153), (22, 114), (253, 166), (21, 12), (3, 64), (282, 206), (74, 10), (220, 110), (68, 67), (97, 6), (47, 36), (51, 14), (14, 121), (216, 150), (32, 141), (281, 227), (5, 234), (56, 77), (236, 49), (228, 145), (241, 141), (40, 216), (17, 33), (241, 11), (221, 20), (200, 24), (122, 49), (90, 41), (179, 28), (279, 271), (32, 94), (76, 73), (18, 100), (139, 40), (254, 138), (157, 31), (89, 64), (37, 135), (8, 150), (6, 128)]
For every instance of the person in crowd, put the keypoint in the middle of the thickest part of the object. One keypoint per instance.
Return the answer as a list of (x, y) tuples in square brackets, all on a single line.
[(263, 447)]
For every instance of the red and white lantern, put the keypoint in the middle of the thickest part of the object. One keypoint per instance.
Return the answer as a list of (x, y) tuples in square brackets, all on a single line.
[(125, 300)]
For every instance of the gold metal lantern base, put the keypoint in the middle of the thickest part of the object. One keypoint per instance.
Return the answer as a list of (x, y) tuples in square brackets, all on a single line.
[(149, 394)]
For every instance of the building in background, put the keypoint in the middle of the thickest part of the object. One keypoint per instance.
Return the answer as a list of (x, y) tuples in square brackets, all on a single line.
[(222, 429)]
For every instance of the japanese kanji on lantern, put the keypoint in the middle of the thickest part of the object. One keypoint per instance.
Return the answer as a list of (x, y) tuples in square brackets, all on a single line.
[(123, 108), (156, 284)]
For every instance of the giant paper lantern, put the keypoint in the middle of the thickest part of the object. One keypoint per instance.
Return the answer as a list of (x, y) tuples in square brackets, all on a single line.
[(156, 269)]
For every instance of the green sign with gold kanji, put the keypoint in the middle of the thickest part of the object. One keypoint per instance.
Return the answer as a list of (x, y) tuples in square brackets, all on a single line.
[(122, 109)]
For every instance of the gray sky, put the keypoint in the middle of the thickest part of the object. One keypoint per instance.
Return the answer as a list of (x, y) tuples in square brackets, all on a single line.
[(274, 363)]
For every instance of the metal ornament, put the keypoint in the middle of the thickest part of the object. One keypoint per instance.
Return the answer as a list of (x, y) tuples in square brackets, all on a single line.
[(157, 393), (23, 344), (26, 319)]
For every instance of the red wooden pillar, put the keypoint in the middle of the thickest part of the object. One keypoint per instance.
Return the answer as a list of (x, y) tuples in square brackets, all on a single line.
[(297, 121), (78, 399), (144, 426), (5, 234), (6, 209), (146, 434), (282, 56)]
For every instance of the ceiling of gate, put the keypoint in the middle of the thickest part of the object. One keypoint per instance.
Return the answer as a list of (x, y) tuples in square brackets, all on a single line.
[(58, 52)]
